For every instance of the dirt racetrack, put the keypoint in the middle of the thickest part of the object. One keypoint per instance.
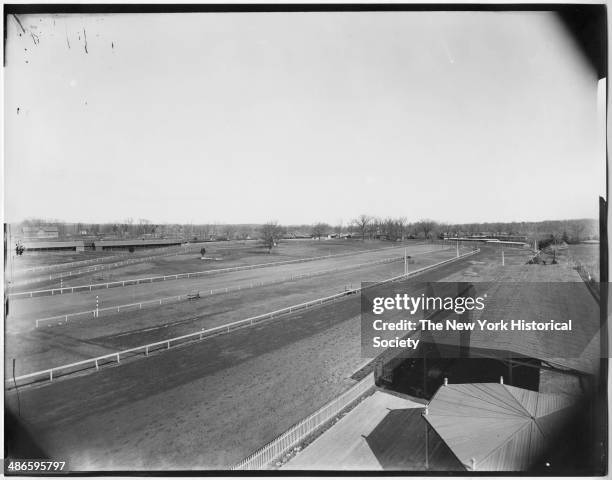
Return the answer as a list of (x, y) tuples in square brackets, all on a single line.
[(81, 339), (203, 405), (221, 255), (46, 306)]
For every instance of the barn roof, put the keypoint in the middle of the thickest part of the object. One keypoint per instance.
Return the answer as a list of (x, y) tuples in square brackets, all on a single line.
[(137, 242), (53, 244), (496, 427), (577, 349)]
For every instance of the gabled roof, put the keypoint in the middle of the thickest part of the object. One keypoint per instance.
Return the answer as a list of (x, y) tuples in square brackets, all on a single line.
[(496, 427)]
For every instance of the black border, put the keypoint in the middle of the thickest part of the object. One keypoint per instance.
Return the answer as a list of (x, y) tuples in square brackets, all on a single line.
[(577, 18)]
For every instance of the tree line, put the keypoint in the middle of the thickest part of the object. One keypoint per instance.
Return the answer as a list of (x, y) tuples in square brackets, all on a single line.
[(364, 227), (367, 227)]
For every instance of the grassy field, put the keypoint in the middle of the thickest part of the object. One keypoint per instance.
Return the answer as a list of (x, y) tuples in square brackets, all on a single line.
[(60, 344), (38, 259), (224, 255), (38, 307), (587, 256)]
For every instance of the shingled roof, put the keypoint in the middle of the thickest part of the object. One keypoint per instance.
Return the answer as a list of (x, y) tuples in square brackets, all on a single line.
[(497, 427)]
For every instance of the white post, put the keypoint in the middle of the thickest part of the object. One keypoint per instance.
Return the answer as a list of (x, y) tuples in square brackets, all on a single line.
[(503, 259), (97, 310), (457, 248)]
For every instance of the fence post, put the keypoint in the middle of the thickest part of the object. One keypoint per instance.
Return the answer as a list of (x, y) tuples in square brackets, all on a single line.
[(51, 375), (97, 367), (118, 359)]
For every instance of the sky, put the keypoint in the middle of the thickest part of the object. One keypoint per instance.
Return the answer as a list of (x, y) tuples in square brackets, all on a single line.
[(299, 118)]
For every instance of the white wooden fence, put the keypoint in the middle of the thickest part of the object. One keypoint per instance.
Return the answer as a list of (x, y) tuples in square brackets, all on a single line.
[(115, 357), (95, 313), (161, 278), (274, 450), (94, 268), (102, 258)]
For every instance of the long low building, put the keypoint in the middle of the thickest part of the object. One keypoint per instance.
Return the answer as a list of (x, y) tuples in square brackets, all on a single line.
[(493, 241), (75, 245), (136, 243)]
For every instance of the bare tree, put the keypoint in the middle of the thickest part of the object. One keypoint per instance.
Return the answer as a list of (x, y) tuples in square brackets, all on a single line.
[(270, 233), (143, 226), (426, 226), (244, 232), (320, 229), (577, 230), (374, 227), (229, 231), (402, 222), (362, 222)]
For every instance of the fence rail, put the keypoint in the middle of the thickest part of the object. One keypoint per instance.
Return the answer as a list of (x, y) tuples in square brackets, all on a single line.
[(161, 278), (100, 259), (263, 457), (97, 362), (95, 313), (589, 279), (96, 268)]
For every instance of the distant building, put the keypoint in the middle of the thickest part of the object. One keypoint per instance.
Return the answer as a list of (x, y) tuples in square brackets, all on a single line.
[(136, 244), (41, 246), (40, 232)]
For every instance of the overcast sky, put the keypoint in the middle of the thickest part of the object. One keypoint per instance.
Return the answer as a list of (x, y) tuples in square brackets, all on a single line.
[(300, 117)]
